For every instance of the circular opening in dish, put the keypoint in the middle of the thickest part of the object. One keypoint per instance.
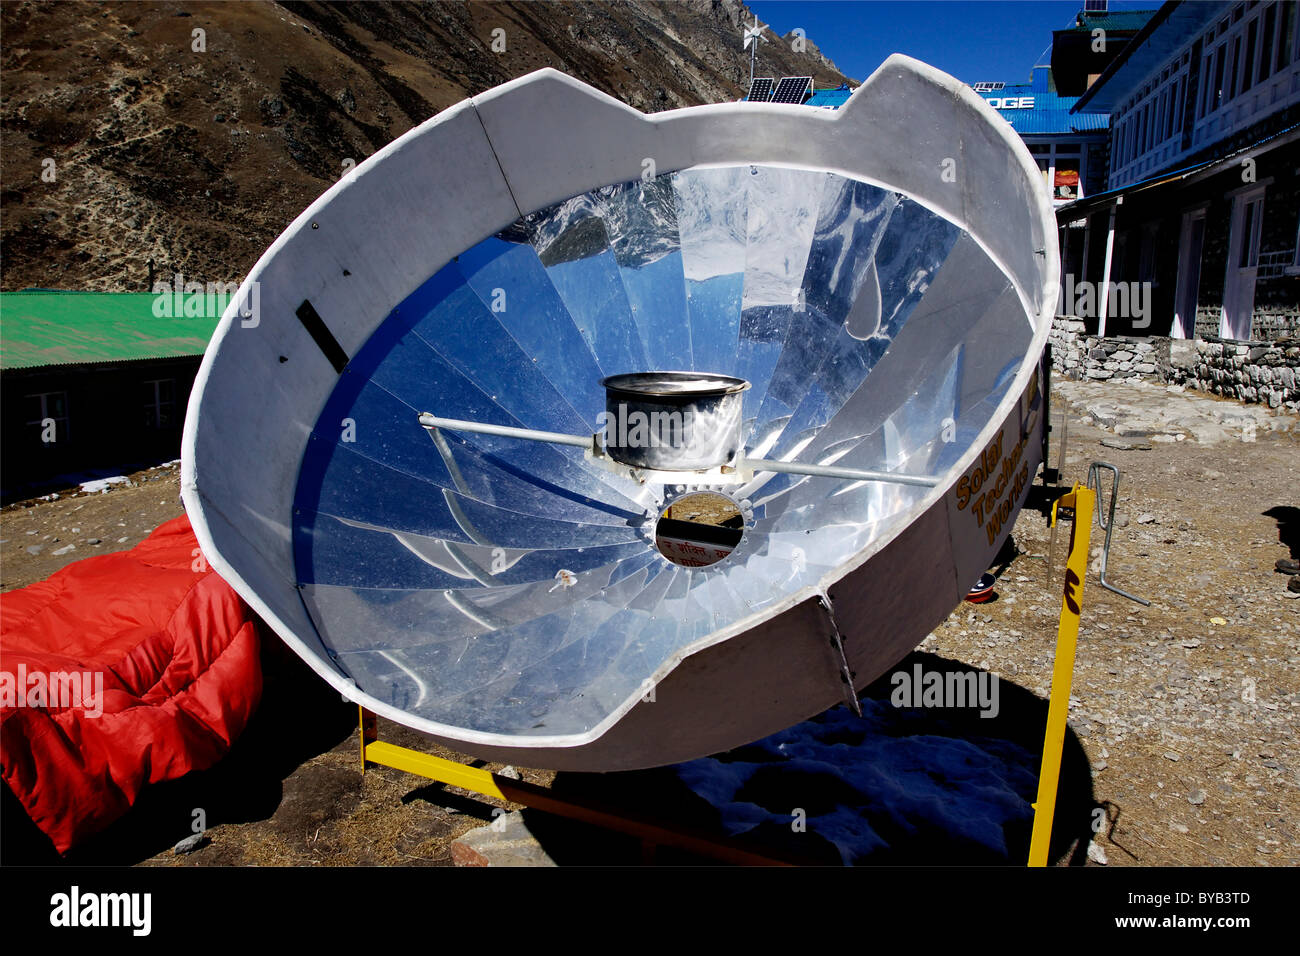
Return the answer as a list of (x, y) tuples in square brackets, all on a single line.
[(699, 529)]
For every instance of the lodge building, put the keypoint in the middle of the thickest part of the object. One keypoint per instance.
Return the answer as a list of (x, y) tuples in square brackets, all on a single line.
[(1201, 198)]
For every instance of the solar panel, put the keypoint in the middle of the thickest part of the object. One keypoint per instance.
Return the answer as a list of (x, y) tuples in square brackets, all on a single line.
[(792, 89), (761, 90)]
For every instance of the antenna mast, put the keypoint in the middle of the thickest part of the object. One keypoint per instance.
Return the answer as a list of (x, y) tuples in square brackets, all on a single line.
[(753, 36)]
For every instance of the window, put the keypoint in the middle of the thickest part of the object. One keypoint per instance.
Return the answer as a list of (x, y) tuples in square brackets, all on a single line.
[(1061, 166), (1248, 74), (1207, 76), (1286, 30), (1067, 184), (160, 403), (42, 409), (1216, 91), (1234, 69), (1266, 43)]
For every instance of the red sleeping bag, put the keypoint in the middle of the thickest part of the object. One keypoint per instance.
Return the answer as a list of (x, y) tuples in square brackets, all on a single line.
[(118, 671)]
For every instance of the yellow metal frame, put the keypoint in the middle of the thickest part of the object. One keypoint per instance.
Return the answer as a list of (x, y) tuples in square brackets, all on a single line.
[(651, 833), (1083, 501)]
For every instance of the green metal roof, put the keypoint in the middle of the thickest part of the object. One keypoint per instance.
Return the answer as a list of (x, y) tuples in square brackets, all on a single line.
[(43, 327)]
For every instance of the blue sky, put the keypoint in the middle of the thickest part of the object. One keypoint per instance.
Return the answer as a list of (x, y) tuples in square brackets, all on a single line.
[(988, 40)]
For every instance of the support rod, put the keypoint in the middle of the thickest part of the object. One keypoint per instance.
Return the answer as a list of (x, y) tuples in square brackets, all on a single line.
[(756, 464), (504, 431), (833, 471)]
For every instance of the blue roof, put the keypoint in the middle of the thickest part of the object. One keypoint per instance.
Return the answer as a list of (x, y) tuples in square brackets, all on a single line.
[(1038, 110), (830, 99)]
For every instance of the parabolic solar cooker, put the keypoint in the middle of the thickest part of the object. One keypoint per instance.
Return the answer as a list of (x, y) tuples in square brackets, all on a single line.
[(585, 439)]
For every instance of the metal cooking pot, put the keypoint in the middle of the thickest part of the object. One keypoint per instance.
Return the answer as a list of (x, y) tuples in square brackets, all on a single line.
[(673, 421)]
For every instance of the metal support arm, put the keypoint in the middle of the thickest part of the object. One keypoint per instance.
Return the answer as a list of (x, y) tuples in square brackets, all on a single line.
[(833, 471), (592, 443), (504, 431)]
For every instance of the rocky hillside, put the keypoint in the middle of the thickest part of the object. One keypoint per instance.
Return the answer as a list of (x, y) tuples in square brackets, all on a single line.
[(190, 134)]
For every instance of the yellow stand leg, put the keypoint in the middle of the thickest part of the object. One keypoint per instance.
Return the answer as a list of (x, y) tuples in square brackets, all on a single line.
[(650, 832), (1082, 500)]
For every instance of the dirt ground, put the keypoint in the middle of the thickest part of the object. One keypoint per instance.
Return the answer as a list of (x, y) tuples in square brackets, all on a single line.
[(1186, 710)]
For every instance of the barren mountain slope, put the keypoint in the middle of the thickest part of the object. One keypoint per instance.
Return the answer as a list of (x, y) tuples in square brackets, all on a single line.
[(194, 150)]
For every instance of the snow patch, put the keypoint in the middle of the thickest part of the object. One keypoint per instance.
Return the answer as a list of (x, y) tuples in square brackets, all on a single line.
[(102, 484)]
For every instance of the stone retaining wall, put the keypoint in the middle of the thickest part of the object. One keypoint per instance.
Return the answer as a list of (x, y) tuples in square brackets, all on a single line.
[(1118, 358), (1268, 324), (1263, 372), (1268, 373)]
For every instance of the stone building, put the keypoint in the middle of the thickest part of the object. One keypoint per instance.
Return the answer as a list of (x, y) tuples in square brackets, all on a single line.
[(1069, 148), (1197, 233)]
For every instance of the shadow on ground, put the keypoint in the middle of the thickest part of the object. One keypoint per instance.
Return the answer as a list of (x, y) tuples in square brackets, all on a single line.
[(1288, 527), (899, 786)]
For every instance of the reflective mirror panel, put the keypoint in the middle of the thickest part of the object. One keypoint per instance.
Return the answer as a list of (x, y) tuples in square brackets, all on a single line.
[(518, 588)]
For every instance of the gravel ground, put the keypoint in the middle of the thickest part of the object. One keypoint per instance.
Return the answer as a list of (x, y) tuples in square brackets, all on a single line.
[(1187, 710)]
